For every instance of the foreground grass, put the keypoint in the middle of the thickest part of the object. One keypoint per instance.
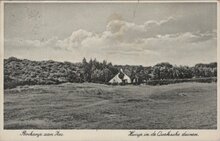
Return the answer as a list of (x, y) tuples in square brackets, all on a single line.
[(97, 106)]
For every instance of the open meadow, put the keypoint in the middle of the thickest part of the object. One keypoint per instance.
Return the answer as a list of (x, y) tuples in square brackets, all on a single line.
[(98, 106)]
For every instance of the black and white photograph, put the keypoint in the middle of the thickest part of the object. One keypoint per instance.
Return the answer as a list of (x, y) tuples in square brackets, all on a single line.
[(115, 65)]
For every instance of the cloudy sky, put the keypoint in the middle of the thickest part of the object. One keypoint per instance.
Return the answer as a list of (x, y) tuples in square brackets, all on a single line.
[(122, 33)]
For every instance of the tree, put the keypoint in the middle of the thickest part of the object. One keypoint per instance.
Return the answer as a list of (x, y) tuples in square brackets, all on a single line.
[(107, 75), (97, 75), (156, 73), (84, 62), (86, 71), (164, 64)]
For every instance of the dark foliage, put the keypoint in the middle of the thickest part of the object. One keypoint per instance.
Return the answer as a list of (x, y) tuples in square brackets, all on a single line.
[(26, 72)]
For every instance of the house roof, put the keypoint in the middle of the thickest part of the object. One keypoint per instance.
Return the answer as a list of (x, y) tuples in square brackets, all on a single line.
[(117, 79)]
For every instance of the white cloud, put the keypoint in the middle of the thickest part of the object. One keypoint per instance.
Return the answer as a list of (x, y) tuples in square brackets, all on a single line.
[(75, 40), (151, 23), (129, 43)]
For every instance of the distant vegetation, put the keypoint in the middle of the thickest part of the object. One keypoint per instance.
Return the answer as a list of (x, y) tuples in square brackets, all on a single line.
[(26, 72)]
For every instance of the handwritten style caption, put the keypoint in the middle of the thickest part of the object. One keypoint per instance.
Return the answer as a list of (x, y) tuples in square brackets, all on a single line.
[(40, 134), (138, 134)]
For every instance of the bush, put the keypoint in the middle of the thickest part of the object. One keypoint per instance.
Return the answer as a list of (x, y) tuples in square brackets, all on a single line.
[(173, 81), (25, 72)]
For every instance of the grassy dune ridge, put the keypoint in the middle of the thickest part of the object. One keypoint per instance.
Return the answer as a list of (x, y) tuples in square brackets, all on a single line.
[(98, 106)]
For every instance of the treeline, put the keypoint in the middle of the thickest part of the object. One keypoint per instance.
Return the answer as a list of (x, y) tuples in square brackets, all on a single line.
[(26, 72)]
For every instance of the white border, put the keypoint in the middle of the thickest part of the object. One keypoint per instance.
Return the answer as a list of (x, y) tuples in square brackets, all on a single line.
[(100, 135), (115, 1)]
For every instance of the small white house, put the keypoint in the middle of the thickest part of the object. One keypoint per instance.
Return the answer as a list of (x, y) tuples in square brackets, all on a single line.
[(117, 80)]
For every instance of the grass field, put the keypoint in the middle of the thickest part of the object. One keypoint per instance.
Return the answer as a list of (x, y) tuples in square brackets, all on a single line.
[(98, 106)]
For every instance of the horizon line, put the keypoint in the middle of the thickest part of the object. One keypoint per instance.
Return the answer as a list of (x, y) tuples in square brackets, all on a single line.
[(108, 62)]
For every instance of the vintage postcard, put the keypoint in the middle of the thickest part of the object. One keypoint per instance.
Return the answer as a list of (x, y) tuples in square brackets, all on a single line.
[(109, 70)]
